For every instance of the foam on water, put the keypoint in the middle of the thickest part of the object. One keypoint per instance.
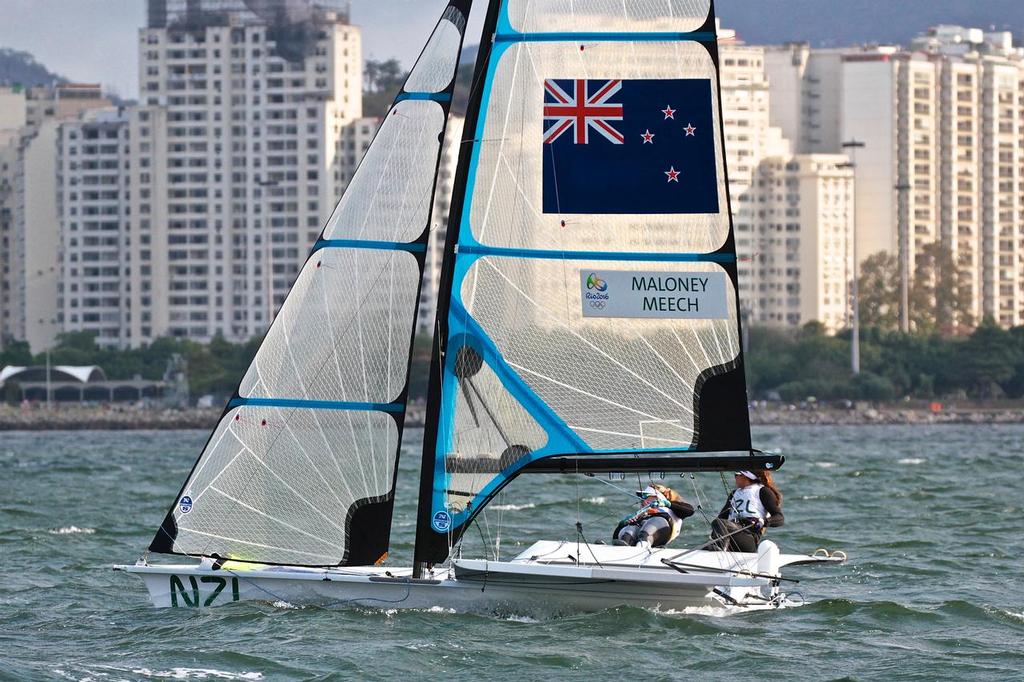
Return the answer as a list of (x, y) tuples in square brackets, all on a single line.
[(513, 507), (912, 460), (71, 530), (196, 674)]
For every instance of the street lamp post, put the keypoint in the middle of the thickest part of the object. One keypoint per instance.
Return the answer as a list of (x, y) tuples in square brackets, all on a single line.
[(853, 146), (904, 254)]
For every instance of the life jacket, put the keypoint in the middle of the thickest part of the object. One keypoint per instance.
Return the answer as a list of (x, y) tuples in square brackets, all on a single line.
[(746, 504)]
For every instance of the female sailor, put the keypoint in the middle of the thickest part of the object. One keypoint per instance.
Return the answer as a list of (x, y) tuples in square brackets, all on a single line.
[(658, 521), (755, 504)]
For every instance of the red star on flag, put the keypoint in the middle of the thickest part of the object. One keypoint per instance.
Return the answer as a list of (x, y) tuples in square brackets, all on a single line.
[(669, 112), (690, 130), (673, 174), (648, 137)]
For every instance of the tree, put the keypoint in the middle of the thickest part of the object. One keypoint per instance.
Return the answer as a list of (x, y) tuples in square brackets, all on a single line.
[(15, 353), (879, 292), (382, 80), (938, 300), (987, 359)]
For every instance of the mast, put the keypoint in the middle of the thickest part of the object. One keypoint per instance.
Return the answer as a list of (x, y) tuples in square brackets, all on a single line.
[(588, 311), (444, 294)]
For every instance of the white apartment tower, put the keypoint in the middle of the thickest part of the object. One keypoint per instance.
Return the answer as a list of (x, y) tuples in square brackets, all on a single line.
[(29, 222), (93, 201), (943, 125), (787, 210), (235, 163), (804, 258)]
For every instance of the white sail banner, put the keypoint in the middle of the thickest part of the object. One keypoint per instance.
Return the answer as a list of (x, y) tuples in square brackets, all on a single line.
[(669, 295), (529, 16)]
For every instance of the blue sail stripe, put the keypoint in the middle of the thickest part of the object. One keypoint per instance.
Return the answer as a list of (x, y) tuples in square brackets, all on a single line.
[(432, 96), (415, 247), (592, 37), (318, 404), (545, 254)]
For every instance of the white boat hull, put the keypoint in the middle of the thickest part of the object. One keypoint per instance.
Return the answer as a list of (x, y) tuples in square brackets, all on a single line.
[(547, 579)]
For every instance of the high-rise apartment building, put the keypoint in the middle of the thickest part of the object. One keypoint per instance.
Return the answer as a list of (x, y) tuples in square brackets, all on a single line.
[(246, 110), (234, 164), (943, 159), (93, 294), (29, 223), (788, 210), (803, 250)]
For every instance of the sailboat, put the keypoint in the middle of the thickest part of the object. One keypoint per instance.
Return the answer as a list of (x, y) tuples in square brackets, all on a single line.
[(587, 324)]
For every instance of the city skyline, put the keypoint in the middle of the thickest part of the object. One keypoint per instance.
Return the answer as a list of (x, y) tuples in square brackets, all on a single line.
[(52, 30)]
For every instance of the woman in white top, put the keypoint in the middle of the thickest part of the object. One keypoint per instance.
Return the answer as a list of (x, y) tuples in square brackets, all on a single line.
[(755, 504)]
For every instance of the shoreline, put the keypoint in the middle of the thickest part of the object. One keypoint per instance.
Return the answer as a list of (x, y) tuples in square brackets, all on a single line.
[(132, 418)]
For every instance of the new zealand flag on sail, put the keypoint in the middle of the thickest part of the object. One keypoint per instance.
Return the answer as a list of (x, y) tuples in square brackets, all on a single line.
[(629, 146)]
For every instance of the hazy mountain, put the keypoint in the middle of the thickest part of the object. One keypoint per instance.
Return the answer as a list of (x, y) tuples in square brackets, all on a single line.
[(848, 22), (21, 67)]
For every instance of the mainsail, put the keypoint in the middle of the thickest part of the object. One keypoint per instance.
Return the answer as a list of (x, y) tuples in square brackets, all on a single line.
[(588, 305), (301, 468)]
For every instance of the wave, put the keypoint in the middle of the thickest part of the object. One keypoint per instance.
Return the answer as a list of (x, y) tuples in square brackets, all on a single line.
[(825, 465), (179, 673), (601, 499), (197, 674), (912, 460), (513, 507), (71, 530)]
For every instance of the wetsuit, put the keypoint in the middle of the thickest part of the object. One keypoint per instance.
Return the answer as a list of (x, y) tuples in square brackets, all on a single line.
[(744, 517), (657, 526)]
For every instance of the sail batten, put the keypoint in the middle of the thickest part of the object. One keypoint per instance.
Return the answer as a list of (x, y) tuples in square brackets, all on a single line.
[(301, 468), (591, 280)]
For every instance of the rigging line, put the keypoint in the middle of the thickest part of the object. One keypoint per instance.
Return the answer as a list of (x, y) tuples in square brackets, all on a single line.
[(700, 506), (609, 483), (487, 409), (487, 524)]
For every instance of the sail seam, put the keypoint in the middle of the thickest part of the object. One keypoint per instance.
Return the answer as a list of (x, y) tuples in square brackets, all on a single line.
[(546, 254), (431, 96), (317, 404), (415, 247), (699, 36)]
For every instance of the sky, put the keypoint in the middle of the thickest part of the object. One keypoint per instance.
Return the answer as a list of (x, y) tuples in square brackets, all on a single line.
[(95, 40)]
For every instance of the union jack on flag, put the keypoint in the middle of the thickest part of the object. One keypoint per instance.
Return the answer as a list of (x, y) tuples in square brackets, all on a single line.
[(579, 112)]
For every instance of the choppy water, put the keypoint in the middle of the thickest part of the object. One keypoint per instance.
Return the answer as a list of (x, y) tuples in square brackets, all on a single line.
[(930, 516)]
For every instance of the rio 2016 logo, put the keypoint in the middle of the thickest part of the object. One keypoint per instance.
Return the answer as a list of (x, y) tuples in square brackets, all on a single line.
[(595, 282)]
